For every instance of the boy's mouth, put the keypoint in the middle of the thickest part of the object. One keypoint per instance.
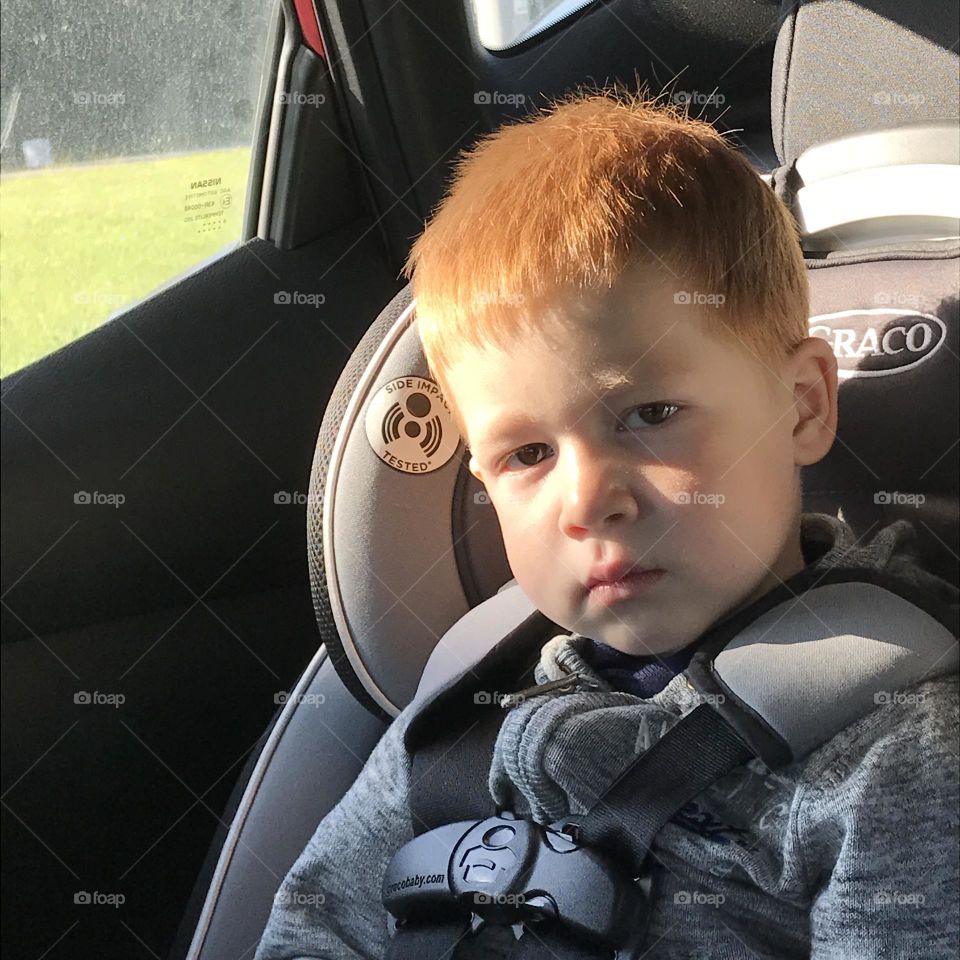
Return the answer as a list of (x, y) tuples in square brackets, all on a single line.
[(616, 571), (630, 585)]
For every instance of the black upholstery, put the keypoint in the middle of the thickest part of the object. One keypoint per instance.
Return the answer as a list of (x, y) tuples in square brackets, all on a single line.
[(842, 67)]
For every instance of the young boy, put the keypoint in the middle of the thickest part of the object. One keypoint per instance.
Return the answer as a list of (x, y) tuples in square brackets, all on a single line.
[(616, 306)]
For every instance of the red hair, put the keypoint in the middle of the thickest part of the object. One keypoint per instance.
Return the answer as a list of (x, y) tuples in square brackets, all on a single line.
[(571, 196)]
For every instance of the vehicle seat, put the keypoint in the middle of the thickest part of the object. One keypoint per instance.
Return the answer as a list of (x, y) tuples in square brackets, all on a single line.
[(405, 552)]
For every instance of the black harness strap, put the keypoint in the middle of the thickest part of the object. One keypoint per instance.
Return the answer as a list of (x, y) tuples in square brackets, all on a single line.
[(452, 738), (449, 775), (688, 758), (548, 942), (434, 940)]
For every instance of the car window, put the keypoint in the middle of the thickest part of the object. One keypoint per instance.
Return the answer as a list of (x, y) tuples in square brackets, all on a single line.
[(125, 141), (501, 24)]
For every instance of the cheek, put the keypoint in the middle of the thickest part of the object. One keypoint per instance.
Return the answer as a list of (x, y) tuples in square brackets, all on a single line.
[(753, 462), (520, 541), (760, 498), (745, 497), (535, 570), (767, 474), (534, 560)]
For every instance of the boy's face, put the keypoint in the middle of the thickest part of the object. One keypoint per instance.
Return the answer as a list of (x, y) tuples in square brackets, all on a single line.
[(701, 482)]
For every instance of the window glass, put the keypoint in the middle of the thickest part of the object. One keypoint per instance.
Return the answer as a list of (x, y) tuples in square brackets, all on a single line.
[(505, 23), (125, 141)]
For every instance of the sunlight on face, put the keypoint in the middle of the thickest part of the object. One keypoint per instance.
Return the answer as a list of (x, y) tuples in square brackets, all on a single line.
[(624, 432)]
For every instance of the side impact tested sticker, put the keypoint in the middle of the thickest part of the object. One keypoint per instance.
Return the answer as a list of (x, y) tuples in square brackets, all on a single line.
[(410, 426)]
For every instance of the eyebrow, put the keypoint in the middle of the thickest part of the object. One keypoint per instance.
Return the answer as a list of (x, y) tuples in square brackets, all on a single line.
[(611, 378)]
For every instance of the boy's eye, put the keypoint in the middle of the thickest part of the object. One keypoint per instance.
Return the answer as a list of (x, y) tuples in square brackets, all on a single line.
[(652, 415), (524, 451), (656, 413)]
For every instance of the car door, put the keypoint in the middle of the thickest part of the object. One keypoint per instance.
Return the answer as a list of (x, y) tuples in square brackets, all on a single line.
[(155, 596)]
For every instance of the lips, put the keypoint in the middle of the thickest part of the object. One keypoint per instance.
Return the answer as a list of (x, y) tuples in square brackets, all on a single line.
[(612, 572), (632, 585)]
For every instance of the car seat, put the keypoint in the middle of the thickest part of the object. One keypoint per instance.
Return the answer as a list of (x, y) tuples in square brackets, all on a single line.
[(407, 565)]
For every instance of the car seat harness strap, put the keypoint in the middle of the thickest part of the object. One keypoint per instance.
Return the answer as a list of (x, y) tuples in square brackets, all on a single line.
[(507, 870)]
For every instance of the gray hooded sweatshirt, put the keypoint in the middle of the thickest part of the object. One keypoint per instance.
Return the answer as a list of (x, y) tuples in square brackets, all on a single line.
[(851, 853)]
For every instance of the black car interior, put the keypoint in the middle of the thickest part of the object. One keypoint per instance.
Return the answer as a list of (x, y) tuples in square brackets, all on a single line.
[(232, 600)]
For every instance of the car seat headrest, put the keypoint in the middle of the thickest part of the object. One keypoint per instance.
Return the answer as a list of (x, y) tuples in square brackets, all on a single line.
[(871, 189), (843, 67), (402, 540)]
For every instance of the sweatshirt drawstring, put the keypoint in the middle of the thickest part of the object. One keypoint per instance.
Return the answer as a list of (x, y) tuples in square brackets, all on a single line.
[(568, 684)]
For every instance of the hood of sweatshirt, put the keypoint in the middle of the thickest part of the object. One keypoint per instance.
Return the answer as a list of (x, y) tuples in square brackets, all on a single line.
[(557, 754)]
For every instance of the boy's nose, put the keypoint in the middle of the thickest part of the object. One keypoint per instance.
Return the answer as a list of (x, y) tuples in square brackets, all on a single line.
[(595, 495)]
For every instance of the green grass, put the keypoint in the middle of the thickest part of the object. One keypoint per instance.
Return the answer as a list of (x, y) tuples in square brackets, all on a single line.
[(78, 243)]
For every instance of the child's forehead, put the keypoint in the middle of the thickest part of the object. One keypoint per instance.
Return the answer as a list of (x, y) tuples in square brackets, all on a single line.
[(601, 341), (626, 357)]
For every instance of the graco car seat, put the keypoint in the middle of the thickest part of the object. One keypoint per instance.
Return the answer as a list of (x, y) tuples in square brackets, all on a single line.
[(409, 576)]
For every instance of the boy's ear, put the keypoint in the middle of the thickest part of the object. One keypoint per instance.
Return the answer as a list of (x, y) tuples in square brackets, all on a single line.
[(813, 368), (475, 467)]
